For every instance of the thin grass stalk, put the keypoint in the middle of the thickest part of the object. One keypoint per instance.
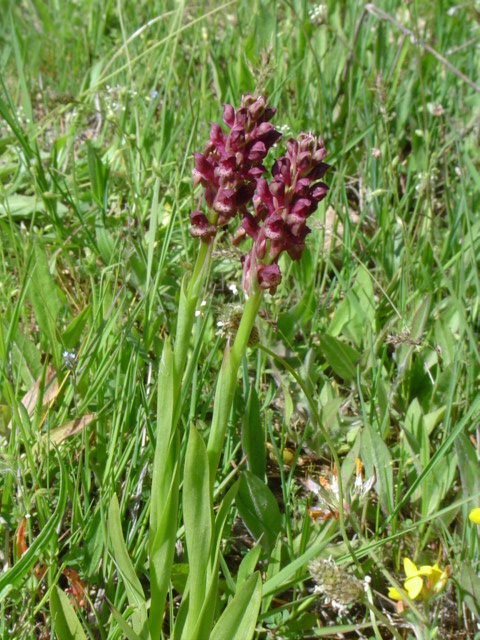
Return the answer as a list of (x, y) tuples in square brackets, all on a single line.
[(330, 445)]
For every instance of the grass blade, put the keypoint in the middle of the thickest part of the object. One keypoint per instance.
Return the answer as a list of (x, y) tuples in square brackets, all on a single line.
[(20, 569)]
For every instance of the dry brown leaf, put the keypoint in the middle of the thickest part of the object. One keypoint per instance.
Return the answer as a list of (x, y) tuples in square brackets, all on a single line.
[(50, 392), (70, 428), (29, 400)]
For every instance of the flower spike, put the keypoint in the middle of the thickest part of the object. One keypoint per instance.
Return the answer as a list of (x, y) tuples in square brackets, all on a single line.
[(283, 207), (232, 163)]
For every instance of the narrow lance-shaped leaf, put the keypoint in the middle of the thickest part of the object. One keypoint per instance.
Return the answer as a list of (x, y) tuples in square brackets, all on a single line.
[(340, 356), (239, 619), (66, 623), (42, 294), (197, 514), (210, 604), (253, 437), (163, 464), (164, 499), (375, 455), (259, 509), (133, 587)]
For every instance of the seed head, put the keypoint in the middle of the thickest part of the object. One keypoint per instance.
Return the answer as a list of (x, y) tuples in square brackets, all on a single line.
[(338, 586)]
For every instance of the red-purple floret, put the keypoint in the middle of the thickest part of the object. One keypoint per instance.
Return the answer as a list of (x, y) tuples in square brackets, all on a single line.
[(282, 208), (231, 163), (230, 171)]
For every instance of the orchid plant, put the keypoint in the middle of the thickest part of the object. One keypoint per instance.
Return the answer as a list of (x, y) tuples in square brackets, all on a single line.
[(272, 212)]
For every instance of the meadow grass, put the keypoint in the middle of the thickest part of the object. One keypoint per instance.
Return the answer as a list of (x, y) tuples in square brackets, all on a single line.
[(369, 348)]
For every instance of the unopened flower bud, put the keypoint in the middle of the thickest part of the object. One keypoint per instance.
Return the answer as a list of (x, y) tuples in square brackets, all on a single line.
[(228, 115), (257, 109)]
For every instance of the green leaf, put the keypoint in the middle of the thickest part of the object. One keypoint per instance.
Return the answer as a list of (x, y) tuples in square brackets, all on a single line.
[(105, 244), (414, 432), (419, 322), (221, 517), (340, 356), (375, 454), (432, 419), (21, 206), (210, 603), (239, 619), (98, 172), (197, 515), (330, 411), (72, 334), (42, 294), (444, 338), (259, 510), (178, 576), (133, 587), (95, 538), (355, 315), (66, 623), (384, 408), (253, 437), (468, 466), (248, 564), (165, 489), (124, 626), (437, 485), (164, 462), (469, 584), (273, 570), (26, 358), (204, 621)]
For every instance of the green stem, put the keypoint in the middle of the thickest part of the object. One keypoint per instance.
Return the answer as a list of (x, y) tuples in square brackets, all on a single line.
[(186, 311), (227, 381)]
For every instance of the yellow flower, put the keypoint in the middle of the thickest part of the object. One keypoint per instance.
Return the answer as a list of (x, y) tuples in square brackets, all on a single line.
[(414, 582), (475, 515), (438, 578), (394, 594)]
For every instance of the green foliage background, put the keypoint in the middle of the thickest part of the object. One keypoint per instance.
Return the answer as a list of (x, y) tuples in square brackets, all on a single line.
[(102, 105)]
